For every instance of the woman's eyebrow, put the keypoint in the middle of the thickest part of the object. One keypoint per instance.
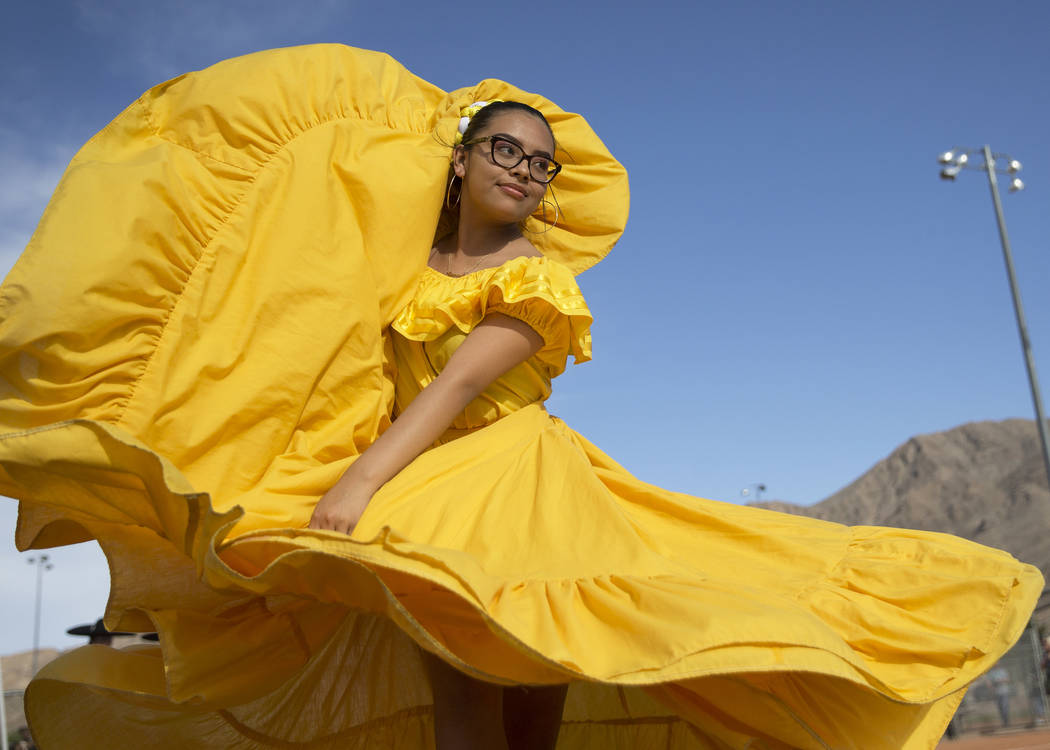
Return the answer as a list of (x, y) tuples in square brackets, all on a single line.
[(517, 143)]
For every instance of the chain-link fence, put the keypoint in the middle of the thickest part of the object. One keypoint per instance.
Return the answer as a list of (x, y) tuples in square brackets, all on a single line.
[(1011, 694)]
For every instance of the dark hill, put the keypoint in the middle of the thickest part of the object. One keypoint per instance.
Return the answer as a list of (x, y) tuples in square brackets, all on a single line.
[(984, 481)]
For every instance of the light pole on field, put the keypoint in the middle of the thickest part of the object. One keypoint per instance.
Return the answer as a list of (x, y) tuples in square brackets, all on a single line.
[(42, 564), (753, 492), (955, 161)]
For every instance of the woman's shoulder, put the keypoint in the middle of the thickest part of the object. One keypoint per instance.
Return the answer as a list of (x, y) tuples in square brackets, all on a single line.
[(523, 263), (533, 288), (528, 250), (524, 280), (508, 255)]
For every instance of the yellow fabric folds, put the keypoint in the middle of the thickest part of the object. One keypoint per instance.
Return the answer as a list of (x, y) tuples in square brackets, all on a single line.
[(196, 344), (202, 282), (539, 291)]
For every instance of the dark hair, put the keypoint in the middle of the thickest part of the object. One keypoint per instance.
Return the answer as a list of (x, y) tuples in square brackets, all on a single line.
[(450, 213), (486, 113)]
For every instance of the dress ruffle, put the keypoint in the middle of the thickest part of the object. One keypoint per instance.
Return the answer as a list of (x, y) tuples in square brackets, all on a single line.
[(536, 290), (823, 631)]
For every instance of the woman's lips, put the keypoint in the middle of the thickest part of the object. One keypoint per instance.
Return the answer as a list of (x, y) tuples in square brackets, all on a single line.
[(513, 190)]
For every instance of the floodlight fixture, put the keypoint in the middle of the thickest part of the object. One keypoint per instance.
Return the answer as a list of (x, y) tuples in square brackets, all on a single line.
[(42, 563), (755, 490), (957, 159)]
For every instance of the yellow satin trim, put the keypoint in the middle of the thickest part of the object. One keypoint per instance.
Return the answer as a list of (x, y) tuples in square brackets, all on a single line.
[(537, 290)]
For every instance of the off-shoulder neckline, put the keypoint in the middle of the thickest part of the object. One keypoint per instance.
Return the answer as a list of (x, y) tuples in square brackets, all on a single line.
[(507, 262)]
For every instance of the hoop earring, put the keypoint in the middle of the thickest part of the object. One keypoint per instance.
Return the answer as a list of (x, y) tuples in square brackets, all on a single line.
[(543, 219), (555, 205), (557, 213), (449, 204)]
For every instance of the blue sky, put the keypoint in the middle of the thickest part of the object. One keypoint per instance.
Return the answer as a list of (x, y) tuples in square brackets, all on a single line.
[(796, 293)]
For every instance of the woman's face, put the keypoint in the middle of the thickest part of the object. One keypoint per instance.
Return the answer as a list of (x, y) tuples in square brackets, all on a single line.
[(503, 194)]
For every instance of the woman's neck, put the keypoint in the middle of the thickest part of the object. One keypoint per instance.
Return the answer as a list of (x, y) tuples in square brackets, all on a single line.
[(475, 239)]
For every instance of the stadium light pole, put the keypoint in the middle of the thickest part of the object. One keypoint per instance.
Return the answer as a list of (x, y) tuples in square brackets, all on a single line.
[(753, 490), (42, 564), (955, 161)]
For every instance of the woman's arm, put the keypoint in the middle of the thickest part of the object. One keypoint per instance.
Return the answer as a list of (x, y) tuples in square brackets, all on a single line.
[(495, 345)]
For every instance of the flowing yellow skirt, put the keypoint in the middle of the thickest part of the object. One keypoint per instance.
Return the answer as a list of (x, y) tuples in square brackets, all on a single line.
[(192, 351), (680, 622)]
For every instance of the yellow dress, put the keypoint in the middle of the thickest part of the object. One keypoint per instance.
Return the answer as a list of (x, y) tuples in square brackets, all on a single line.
[(217, 351)]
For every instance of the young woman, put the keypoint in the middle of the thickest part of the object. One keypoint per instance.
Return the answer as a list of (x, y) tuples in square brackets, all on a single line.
[(557, 599), (500, 172)]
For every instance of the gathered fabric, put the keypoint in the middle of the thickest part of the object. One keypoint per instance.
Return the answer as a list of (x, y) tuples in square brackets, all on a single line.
[(223, 343)]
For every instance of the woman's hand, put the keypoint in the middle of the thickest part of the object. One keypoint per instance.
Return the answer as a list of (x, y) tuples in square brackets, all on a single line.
[(495, 345), (342, 506)]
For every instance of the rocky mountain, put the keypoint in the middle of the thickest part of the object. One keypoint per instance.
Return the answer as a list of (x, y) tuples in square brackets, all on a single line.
[(984, 481)]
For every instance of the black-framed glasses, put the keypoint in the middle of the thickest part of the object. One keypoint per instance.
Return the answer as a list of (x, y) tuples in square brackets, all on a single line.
[(508, 154)]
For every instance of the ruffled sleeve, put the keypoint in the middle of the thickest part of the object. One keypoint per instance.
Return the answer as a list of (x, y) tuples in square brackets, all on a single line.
[(536, 290)]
